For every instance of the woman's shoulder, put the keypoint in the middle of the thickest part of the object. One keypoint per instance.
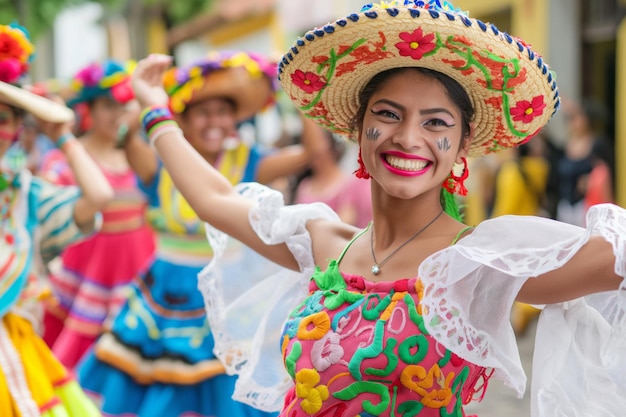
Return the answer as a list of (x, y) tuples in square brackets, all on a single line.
[(330, 237)]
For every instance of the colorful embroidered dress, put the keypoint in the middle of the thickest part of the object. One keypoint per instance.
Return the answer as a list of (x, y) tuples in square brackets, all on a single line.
[(468, 291), (91, 282), (356, 347), (156, 357), (32, 381)]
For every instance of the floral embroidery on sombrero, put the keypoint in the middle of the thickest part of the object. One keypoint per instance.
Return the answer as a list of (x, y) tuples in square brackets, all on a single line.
[(416, 44), (526, 111), (308, 81)]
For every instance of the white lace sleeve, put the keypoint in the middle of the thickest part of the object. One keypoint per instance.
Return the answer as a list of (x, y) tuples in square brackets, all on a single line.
[(579, 365), (248, 301)]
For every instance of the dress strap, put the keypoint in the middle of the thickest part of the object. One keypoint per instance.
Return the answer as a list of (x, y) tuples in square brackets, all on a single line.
[(461, 233), (358, 235)]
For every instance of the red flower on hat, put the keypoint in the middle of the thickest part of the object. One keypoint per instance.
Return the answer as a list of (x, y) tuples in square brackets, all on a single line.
[(526, 111), (416, 44), (308, 81)]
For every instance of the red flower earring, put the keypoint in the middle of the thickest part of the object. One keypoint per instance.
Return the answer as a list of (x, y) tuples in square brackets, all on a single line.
[(361, 172), (455, 184)]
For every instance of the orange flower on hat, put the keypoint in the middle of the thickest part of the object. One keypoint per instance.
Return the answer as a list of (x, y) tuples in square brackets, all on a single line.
[(308, 81), (526, 111), (416, 44)]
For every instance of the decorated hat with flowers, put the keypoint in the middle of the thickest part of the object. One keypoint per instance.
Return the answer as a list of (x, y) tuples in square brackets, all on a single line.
[(16, 55), (243, 77), (513, 91), (110, 78)]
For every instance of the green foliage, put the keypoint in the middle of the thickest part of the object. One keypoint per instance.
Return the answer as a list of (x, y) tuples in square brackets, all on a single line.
[(38, 15)]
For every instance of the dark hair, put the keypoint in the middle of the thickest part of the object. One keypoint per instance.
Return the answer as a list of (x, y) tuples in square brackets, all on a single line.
[(456, 93)]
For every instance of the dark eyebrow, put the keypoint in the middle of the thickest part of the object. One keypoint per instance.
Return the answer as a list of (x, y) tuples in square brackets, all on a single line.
[(436, 110), (391, 103)]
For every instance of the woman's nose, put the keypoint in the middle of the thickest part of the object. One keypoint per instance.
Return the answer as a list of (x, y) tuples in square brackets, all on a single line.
[(409, 138)]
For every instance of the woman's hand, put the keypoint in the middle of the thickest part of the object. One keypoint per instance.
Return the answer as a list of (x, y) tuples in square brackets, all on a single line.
[(52, 130), (147, 80)]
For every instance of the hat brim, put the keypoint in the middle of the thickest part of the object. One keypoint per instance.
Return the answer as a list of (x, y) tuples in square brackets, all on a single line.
[(38, 106), (511, 88), (250, 93)]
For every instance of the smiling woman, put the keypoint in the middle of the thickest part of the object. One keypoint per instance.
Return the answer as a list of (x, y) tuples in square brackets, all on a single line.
[(420, 86)]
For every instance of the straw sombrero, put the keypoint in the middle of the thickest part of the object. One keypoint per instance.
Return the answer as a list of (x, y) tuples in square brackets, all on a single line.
[(245, 78), (110, 78), (512, 89), (17, 54)]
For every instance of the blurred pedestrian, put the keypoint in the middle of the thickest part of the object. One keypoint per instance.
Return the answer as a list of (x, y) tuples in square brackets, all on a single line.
[(576, 163)]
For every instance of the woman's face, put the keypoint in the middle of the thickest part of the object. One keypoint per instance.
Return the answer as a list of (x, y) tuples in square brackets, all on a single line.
[(411, 135), (9, 127), (207, 123), (106, 117)]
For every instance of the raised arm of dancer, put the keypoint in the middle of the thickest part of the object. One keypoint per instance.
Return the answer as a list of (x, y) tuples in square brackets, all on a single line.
[(210, 195), (95, 189), (141, 158), (291, 159)]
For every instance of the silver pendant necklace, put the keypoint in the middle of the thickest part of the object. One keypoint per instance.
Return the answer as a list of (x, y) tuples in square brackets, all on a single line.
[(376, 267)]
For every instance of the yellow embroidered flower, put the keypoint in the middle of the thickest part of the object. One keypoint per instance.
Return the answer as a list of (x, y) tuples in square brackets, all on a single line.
[(432, 386), (312, 395), (321, 323)]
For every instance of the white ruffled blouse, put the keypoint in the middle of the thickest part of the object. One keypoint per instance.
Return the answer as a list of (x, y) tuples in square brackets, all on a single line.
[(579, 365)]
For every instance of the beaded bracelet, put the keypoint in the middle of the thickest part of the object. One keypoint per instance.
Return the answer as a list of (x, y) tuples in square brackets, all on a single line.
[(156, 121), (153, 115)]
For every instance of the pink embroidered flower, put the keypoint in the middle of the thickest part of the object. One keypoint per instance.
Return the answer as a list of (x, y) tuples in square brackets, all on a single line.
[(326, 352), (526, 111), (416, 44), (308, 81)]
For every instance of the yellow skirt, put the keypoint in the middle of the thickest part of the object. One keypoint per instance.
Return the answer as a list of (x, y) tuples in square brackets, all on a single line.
[(32, 382)]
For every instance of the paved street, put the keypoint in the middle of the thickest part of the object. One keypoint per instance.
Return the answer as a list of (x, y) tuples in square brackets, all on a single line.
[(501, 401)]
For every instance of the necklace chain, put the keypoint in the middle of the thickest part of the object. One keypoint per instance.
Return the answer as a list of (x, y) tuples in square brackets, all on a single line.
[(376, 267)]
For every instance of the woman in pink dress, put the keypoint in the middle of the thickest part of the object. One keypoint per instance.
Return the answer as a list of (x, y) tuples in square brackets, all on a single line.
[(91, 283)]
